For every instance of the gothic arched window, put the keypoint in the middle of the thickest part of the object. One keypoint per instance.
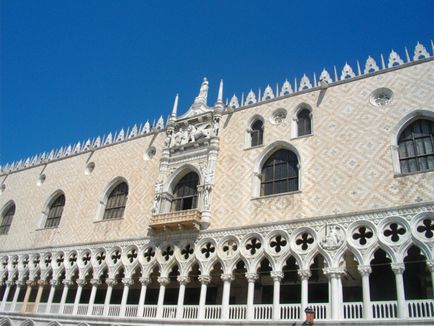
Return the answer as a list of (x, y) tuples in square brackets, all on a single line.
[(7, 217), (416, 146), (55, 212), (279, 173), (257, 133), (116, 202), (185, 193), (304, 123)]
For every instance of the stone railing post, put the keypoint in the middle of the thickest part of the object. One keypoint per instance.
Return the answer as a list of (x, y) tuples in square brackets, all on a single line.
[(127, 282), (183, 280), (80, 284), (145, 282), (54, 284), (304, 275), (19, 283), (66, 285), (95, 283), (227, 279), (334, 276), (110, 283), (9, 284), (163, 283), (30, 284), (277, 277)]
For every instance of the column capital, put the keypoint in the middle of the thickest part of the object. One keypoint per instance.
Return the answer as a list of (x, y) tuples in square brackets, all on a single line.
[(276, 276), (145, 280), (54, 283), (111, 281), (398, 268), (227, 277), (304, 274), (333, 272), (42, 282), (183, 279), (95, 282), (127, 281), (204, 279), (80, 282), (9, 283), (364, 269), (68, 283), (163, 280), (20, 283), (430, 264), (30, 282), (252, 277)]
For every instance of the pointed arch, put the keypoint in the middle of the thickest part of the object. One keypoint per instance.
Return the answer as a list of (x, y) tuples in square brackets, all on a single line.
[(7, 214), (400, 127), (113, 199), (302, 121), (53, 210), (266, 154)]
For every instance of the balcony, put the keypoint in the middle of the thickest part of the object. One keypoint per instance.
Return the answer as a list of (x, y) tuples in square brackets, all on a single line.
[(188, 219)]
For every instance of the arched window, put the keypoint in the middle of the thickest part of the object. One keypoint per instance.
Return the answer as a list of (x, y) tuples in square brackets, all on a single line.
[(55, 212), (280, 173), (416, 146), (185, 193), (304, 123), (257, 133), (116, 202), (7, 217)]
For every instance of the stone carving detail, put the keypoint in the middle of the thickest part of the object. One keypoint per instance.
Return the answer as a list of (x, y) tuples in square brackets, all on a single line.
[(370, 66), (362, 235), (286, 88), (381, 96), (278, 116), (332, 237), (268, 93), (234, 104), (426, 228), (394, 59), (251, 98), (394, 231), (253, 245), (304, 83), (325, 76), (420, 52), (347, 72), (304, 241)]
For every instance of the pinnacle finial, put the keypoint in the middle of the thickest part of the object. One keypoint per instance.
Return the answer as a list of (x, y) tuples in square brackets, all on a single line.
[(220, 93), (175, 105)]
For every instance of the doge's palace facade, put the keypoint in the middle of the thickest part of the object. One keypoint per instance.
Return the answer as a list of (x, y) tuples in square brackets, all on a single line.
[(318, 193)]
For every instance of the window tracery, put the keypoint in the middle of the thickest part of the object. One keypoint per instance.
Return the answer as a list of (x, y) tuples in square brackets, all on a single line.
[(55, 212), (7, 218), (185, 194), (257, 133), (116, 202)]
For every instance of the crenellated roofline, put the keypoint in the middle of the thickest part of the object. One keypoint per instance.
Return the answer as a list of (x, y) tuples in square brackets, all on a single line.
[(305, 84)]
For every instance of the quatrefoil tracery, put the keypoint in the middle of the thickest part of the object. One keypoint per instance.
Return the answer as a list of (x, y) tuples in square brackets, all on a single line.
[(363, 234), (167, 253), (230, 247), (304, 241), (187, 251), (149, 254), (278, 243), (86, 258), (394, 231), (426, 228), (132, 255), (116, 256), (253, 245), (207, 249)]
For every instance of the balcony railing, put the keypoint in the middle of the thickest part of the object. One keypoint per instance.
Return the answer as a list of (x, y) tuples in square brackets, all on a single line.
[(174, 220), (381, 310)]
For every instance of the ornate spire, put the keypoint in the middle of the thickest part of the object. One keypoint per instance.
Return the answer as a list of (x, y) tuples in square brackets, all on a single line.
[(220, 94), (203, 93), (175, 106), (200, 102)]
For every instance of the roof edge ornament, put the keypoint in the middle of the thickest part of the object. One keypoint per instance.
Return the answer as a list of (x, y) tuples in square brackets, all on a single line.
[(199, 105)]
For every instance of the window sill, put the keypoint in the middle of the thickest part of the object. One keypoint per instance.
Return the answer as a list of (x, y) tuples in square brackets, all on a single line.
[(411, 173), (277, 195), (301, 137), (109, 219), (254, 147), (48, 228)]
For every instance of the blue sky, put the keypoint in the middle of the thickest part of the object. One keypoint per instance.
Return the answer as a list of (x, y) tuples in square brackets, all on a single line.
[(72, 70)]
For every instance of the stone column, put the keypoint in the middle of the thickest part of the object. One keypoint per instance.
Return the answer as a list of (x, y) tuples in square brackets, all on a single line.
[(183, 280), (430, 265), (66, 285), (41, 284), (110, 283), (334, 276), (227, 279), (16, 294), (365, 271), (80, 284), (9, 284), (398, 269), (277, 277), (304, 275), (251, 279), (163, 283), (204, 281), (95, 283), (29, 283), (53, 284), (127, 282), (145, 282)]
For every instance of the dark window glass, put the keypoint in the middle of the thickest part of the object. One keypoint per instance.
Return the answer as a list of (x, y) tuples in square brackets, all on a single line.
[(55, 212), (185, 193), (416, 147), (116, 202), (280, 173), (257, 133), (7, 220), (304, 124)]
